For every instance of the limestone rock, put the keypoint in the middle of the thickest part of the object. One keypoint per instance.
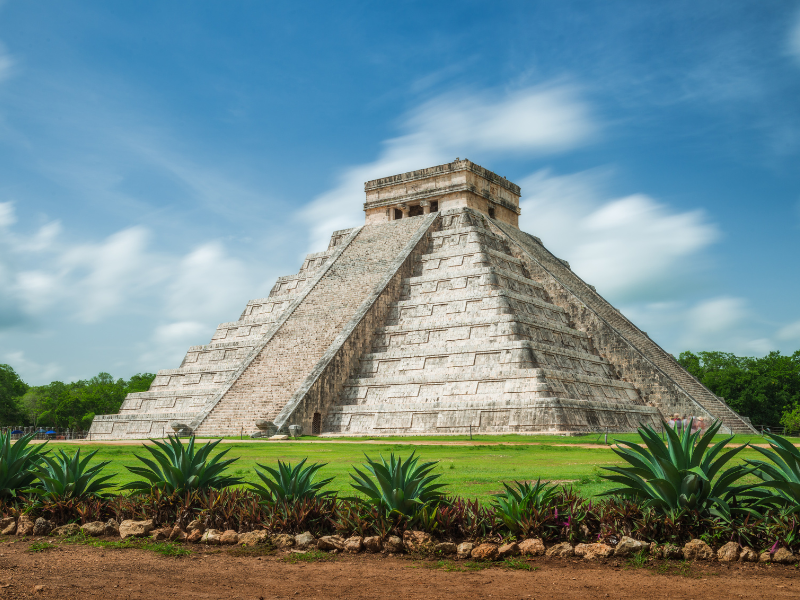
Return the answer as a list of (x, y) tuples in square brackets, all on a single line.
[(484, 552), (304, 540), (131, 528), (446, 548), (94, 529), (417, 541), (729, 552), (354, 544), (671, 551), (628, 546), (251, 538), (177, 534), (748, 555), (25, 525), (229, 538), (393, 545), (195, 537), (8, 525), (783, 556), (464, 550), (532, 547), (42, 526), (196, 524), (593, 551), (211, 537), (562, 550), (697, 550), (112, 528), (331, 542), (161, 534), (764, 557), (507, 550), (283, 540), (373, 544), (66, 530)]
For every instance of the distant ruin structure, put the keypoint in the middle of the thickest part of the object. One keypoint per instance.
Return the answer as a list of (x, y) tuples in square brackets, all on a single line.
[(437, 316)]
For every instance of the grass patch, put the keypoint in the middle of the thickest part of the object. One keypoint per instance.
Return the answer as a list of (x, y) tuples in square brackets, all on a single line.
[(455, 567), (41, 547), (638, 560), (309, 557), (518, 564), (472, 471), (162, 548)]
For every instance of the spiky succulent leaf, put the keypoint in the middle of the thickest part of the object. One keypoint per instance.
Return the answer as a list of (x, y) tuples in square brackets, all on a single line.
[(175, 467), (290, 484), (18, 463), (62, 477)]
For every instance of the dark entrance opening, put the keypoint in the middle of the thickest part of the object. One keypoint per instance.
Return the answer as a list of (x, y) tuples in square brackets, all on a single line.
[(316, 424), (415, 211), (398, 214), (491, 212), (434, 206)]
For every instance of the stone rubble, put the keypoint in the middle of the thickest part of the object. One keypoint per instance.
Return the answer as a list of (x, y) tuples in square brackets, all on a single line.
[(131, 528), (697, 550)]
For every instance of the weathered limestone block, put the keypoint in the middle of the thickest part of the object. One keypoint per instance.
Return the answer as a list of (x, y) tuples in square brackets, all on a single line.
[(417, 541), (331, 542), (211, 537), (229, 538), (393, 545), (131, 528), (485, 552), (507, 550), (593, 551), (697, 550), (464, 549), (8, 526), (251, 538), (562, 550), (94, 529), (304, 540), (67, 530), (748, 555), (354, 544), (628, 546), (283, 540), (532, 547), (729, 552)]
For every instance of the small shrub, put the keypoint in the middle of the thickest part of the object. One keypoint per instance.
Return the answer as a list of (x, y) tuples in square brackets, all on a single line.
[(18, 463), (41, 547), (398, 487), (63, 478), (290, 484), (178, 469)]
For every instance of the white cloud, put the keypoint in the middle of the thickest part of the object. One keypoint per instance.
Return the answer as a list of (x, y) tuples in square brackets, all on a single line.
[(30, 369), (534, 121), (6, 63), (625, 246), (7, 217), (717, 315), (794, 38), (790, 332)]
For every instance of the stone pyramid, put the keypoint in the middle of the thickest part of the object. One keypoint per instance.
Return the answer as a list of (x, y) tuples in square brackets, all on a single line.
[(438, 316)]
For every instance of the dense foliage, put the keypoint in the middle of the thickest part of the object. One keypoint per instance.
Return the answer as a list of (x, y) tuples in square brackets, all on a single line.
[(782, 473), (62, 477), (64, 405), (683, 474), (760, 388)]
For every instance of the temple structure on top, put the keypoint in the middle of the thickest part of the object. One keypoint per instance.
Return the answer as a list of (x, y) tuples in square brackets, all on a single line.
[(437, 316)]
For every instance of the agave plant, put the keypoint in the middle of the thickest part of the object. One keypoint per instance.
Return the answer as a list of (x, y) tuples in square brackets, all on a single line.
[(783, 475), (289, 484), (179, 468), (18, 463), (514, 505), (62, 477), (684, 474), (398, 487)]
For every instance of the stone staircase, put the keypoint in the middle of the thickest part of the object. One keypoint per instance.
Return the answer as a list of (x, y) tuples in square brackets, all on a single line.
[(473, 342), (270, 379)]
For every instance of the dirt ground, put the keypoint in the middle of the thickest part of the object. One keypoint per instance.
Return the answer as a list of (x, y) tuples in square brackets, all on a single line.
[(75, 571)]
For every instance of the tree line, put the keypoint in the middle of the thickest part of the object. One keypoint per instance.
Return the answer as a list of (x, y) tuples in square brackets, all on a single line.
[(767, 390), (62, 405)]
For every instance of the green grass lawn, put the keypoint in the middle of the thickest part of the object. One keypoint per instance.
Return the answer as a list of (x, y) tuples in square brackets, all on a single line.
[(471, 471)]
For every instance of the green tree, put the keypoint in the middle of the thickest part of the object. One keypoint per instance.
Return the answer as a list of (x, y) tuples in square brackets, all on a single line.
[(11, 389), (759, 388)]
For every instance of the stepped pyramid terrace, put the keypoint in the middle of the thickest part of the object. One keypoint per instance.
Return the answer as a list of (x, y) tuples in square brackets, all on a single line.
[(437, 316)]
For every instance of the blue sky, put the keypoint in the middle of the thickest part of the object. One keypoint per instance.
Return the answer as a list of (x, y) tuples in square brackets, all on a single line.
[(163, 162)]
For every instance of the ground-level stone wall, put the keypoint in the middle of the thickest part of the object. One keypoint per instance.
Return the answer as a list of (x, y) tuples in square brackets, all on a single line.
[(325, 383)]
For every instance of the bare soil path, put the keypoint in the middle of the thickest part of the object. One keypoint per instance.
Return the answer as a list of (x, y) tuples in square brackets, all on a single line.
[(85, 572)]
